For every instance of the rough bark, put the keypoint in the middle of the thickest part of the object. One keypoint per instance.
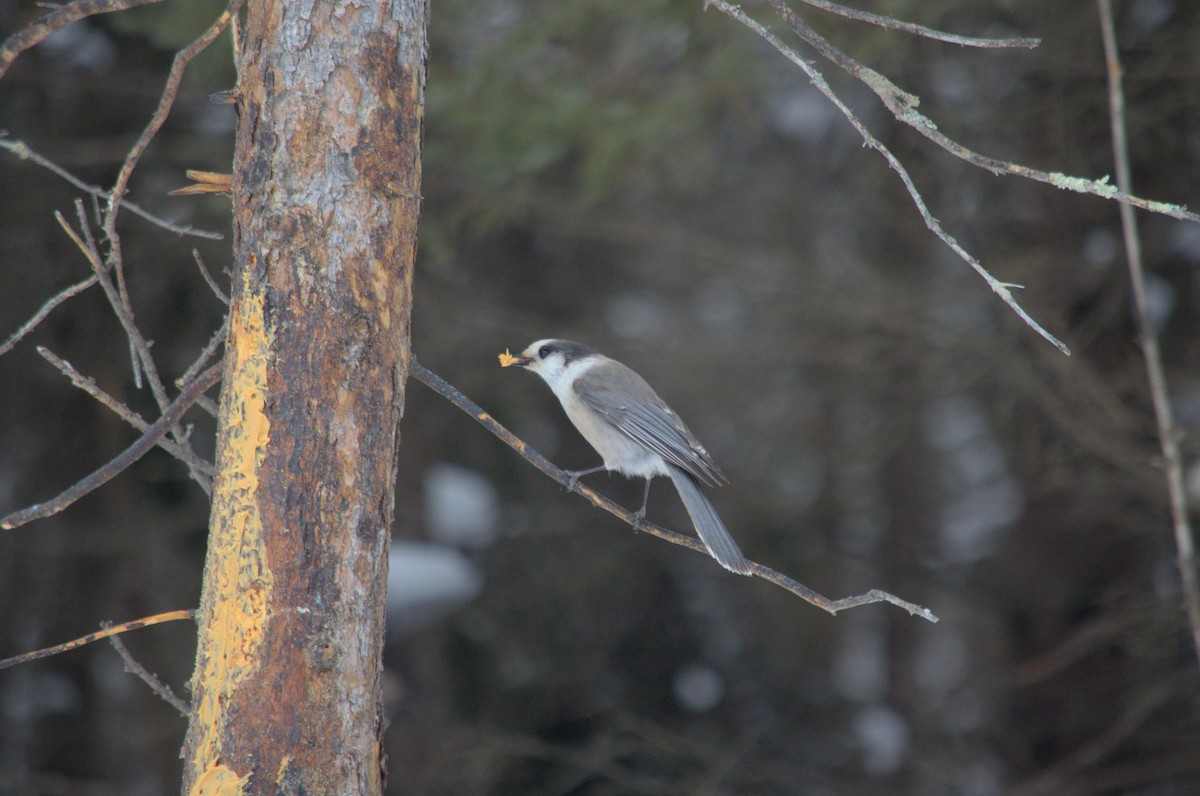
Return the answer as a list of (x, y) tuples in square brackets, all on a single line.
[(286, 691)]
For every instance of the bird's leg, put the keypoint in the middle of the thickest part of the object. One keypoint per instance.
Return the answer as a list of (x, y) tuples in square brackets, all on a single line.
[(640, 515), (577, 474)]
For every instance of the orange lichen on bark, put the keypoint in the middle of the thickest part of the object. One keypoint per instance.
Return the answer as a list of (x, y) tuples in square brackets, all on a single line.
[(219, 781), (238, 589)]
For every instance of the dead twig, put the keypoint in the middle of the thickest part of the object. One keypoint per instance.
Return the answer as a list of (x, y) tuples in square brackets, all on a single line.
[(165, 103), (903, 106), (447, 391), (121, 462), (157, 686), (920, 30), (1168, 431), (138, 345), (209, 351), (124, 627), (55, 21), (46, 309), (208, 280), (22, 151), (1001, 289), (88, 385)]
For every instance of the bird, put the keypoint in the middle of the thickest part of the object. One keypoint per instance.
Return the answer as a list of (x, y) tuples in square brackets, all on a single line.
[(635, 432)]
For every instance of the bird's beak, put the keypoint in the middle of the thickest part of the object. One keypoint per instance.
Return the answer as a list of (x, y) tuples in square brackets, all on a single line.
[(507, 360)]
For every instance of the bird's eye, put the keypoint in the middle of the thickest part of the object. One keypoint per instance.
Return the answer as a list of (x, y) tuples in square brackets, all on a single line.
[(544, 351)]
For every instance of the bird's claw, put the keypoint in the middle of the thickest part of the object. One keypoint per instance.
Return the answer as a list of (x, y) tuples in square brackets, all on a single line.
[(639, 520)]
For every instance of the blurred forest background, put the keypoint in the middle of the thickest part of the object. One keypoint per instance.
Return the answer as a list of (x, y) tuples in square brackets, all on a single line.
[(654, 180)]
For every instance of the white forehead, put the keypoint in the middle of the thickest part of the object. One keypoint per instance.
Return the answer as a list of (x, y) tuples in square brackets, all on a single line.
[(532, 349)]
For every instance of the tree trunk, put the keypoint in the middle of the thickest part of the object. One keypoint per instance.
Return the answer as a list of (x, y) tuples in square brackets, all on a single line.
[(286, 691)]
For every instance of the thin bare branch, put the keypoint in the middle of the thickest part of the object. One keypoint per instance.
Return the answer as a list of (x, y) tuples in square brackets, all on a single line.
[(22, 151), (139, 347), (55, 21), (185, 454), (165, 102), (1001, 289), (157, 686), (45, 310), (208, 280), (124, 627), (121, 462), (1164, 417), (447, 391), (214, 342), (920, 30), (903, 106)]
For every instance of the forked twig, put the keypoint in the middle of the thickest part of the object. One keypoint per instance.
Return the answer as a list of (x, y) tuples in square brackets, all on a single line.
[(903, 106), (1164, 417), (183, 453), (114, 260), (121, 462), (447, 391), (920, 30), (1001, 289), (165, 102), (157, 686), (22, 151), (139, 346)]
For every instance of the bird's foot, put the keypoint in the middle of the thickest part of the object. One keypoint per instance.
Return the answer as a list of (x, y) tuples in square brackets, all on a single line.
[(575, 475), (639, 519)]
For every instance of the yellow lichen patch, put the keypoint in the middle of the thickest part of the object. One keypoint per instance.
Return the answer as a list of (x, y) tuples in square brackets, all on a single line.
[(238, 579), (507, 359), (219, 780)]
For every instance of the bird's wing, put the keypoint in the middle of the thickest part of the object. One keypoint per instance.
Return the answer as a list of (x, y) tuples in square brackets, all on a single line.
[(653, 424)]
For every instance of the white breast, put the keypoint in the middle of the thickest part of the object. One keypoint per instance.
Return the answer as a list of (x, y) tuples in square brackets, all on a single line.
[(620, 453)]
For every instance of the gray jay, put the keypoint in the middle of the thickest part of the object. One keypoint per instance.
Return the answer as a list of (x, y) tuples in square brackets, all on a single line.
[(635, 433)]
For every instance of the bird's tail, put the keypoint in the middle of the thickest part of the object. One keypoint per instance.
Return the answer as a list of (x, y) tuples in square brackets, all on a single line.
[(708, 525)]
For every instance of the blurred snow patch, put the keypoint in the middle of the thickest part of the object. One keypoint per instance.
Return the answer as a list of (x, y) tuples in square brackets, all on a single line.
[(82, 46), (971, 524), (804, 115), (884, 737), (1160, 300), (980, 778), (797, 481), (461, 506), (860, 664), (1192, 484), (42, 694), (698, 688), (952, 82), (635, 316), (1100, 248), (718, 306), (1185, 238), (982, 500), (952, 421), (940, 662), (426, 582), (1147, 16)]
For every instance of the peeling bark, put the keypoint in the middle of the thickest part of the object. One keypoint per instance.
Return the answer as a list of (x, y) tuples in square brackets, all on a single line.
[(326, 190)]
